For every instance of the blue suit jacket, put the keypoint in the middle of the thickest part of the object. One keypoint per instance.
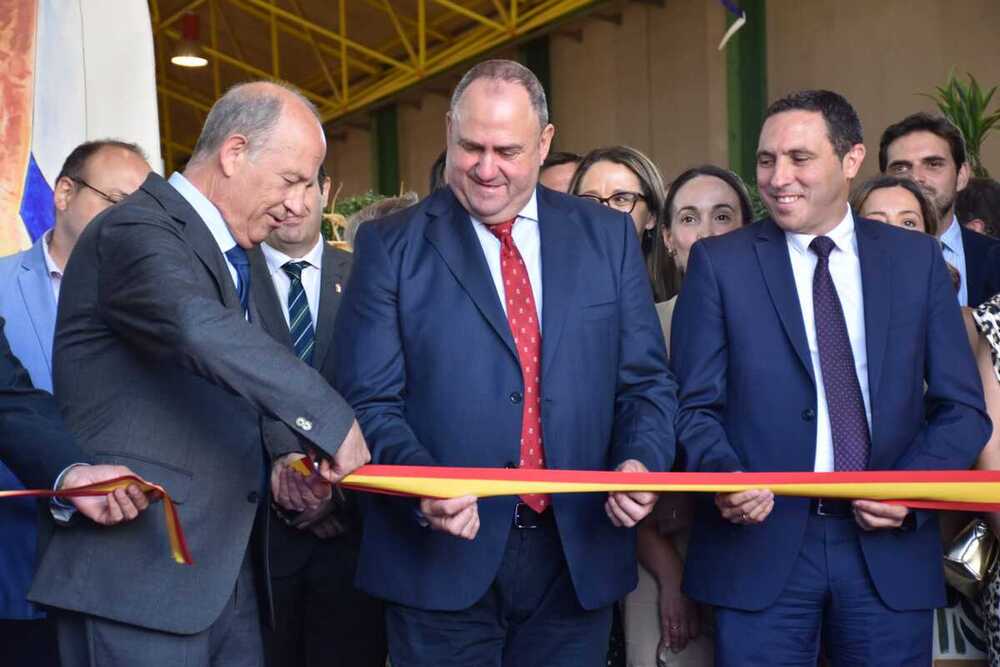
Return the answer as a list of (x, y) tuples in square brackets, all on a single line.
[(425, 355), (29, 307), (981, 265), (748, 402)]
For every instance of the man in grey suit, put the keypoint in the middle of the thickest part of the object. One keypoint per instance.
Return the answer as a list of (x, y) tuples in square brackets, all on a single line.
[(159, 364)]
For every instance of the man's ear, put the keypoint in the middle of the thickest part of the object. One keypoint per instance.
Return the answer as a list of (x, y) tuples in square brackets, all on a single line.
[(63, 193), (232, 152), (545, 142), (963, 177), (853, 160)]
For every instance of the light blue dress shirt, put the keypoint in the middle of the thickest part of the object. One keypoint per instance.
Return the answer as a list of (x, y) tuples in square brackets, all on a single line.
[(954, 254)]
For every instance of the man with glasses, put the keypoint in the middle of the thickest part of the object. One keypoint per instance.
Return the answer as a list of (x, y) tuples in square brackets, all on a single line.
[(95, 175)]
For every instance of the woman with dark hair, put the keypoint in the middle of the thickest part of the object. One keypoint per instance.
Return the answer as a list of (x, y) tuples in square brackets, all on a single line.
[(662, 625), (896, 201), (624, 179)]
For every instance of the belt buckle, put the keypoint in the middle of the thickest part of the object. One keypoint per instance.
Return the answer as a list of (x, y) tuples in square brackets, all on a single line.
[(518, 523)]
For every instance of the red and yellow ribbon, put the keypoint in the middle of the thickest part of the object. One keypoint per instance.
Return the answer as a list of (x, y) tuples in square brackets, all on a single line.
[(966, 490), (178, 545)]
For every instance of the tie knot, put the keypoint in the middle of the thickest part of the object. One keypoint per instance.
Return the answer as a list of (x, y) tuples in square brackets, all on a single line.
[(822, 246), (502, 230), (295, 269), (237, 256)]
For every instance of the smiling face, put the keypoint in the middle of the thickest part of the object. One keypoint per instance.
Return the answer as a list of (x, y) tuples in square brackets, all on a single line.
[(926, 158), (896, 206), (268, 184), (495, 149), (704, 206), (621, 187), (800, 177), (297, 235)]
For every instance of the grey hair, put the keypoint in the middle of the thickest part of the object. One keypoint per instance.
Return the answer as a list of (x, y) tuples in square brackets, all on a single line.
[(249, 109), (511, 72), (379, 209)]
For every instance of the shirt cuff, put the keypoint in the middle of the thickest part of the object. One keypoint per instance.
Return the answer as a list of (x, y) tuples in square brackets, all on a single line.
[(61, 510)]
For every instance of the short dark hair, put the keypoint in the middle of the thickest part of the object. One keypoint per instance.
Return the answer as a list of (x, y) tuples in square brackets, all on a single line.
[(76, 161), (927, 209), (980, 200), (665, 274), (923, 122), (436, 179), (843, 127), (556, 158)]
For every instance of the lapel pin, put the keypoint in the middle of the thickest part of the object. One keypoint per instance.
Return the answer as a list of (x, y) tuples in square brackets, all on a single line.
[(338, 288)]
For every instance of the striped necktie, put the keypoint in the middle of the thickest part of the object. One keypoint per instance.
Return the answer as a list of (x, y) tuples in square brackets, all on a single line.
[(300, 324)]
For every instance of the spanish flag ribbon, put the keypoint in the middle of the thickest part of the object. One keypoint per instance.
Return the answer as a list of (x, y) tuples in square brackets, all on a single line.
[(966, 490), (178, 545)]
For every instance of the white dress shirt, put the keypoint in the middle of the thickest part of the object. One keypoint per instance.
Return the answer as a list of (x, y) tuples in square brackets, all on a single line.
[(208, 212), (845, 269), (55, 273), (528, 241), (310, 276), (954, 254)]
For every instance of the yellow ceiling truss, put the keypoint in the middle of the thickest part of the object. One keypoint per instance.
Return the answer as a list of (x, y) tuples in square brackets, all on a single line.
[(345, 55)]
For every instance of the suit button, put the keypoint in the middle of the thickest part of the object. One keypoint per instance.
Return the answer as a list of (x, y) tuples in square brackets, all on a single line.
[(515, 397), (808, 414), (304, 424), (253, 497)]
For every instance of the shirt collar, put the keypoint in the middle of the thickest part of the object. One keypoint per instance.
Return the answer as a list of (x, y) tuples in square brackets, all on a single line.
[(952, 238), (206, 210), (276, 259), (529, 212), (842, 235), (50, 264)]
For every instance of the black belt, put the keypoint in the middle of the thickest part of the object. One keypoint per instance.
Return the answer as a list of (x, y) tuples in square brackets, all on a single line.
[(525, 517), (836, 508)]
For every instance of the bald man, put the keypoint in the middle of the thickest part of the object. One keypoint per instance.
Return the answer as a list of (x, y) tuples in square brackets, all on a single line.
[(160, 365)]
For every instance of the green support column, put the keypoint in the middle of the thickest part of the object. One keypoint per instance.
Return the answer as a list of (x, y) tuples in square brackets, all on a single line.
[(746, 75), (385, 151), (535, 56)]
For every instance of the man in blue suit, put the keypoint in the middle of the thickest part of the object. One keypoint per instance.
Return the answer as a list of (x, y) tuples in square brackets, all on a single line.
[(450, 357), (94, 176), (816, 341)]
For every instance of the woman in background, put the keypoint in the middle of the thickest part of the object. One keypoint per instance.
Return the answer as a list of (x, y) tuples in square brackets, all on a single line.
[(662, 625)]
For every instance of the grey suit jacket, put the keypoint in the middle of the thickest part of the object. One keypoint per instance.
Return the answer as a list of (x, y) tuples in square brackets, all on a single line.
[(289, 548), (157, 368)]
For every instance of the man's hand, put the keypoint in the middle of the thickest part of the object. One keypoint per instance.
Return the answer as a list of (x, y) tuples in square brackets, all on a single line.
[(872, 515), (352, 454), (294, 492), (745, 507), (627, 509), (455, 516), (118, 506), (328, 527)]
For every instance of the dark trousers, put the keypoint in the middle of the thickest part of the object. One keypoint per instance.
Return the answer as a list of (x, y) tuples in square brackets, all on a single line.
[(321, 619), (28, 643), (829, 593), (233, 640), (529, 616)]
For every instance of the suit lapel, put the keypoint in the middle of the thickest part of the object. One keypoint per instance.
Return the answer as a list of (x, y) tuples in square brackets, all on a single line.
[(332, 277), (560, 254), (772, 253), (974, 264), (876, 288), (39, 301), (452, 234), (264, 296)]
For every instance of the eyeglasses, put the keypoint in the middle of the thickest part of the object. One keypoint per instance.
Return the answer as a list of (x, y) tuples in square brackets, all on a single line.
[(112, 199), (620, 201)]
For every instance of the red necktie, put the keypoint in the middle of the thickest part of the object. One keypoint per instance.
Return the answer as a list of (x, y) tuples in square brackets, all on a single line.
[(523, 318)]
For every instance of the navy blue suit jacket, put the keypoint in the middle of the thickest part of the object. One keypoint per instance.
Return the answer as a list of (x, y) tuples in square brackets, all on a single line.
[(748, 402), (425, 355), (981, 264)]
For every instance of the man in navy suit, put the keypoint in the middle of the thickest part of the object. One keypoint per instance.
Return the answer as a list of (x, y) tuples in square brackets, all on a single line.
[(94, 176), (803, 342), (501, 324), (930, 150)]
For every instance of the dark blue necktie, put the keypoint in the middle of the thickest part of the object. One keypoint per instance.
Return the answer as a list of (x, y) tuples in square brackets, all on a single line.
[(237, 256), (848, 423), (300, 324)]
